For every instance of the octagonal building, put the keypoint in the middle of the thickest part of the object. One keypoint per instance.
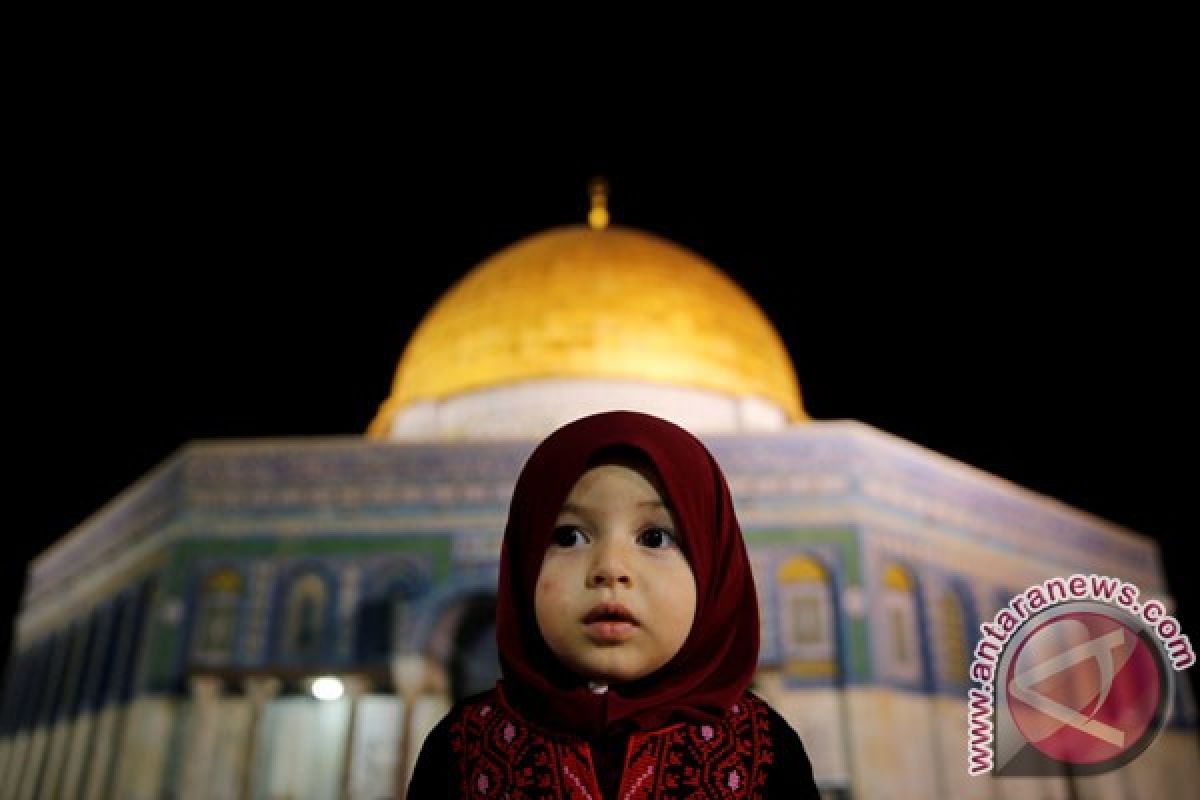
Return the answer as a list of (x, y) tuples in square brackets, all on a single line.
[(169, 645)]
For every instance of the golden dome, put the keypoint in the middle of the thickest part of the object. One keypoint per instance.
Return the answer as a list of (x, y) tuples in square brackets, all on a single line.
[(578, 302)]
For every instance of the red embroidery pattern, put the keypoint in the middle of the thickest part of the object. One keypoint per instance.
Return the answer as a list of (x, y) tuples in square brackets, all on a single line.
[(500, 756)]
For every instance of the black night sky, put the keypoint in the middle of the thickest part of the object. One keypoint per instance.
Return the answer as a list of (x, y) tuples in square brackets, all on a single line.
[(1004, 286)]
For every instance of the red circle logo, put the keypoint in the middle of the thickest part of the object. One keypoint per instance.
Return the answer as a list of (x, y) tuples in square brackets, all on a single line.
[(1084, 688)]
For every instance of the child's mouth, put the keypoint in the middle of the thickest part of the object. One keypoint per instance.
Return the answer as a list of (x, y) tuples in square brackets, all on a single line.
[(610, 630), (609, 622), (609, 612)]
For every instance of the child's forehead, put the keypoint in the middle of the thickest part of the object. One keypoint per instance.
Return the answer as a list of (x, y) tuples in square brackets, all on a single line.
[(625, 455), (626, 465), (620, 475)]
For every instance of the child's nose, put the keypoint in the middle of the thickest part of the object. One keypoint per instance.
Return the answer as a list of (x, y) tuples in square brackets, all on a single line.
[(609, 569), (605, 576)]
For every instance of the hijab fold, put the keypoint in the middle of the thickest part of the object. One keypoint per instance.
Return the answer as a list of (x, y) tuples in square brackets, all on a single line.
[(718, 658)]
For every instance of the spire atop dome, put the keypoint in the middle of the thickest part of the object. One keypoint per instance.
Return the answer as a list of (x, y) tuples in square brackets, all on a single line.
[(598, 216)]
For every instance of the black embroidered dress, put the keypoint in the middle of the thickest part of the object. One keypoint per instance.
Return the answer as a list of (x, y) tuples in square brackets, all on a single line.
[(484, 749)]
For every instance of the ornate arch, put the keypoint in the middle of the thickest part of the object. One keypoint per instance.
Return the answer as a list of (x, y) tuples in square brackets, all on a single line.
[(218, 605), (903, 657), (808, 632)]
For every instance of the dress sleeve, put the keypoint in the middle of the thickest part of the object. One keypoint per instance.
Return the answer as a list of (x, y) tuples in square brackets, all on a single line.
[(791, 774), (434, 775)]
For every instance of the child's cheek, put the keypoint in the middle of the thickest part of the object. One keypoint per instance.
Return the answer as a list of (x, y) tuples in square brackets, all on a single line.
[(544, 600)]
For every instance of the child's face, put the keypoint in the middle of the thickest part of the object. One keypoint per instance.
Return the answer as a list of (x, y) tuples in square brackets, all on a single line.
[(614, 542)]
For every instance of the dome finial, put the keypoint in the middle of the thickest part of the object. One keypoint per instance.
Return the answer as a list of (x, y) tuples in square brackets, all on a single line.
[(598, 216)]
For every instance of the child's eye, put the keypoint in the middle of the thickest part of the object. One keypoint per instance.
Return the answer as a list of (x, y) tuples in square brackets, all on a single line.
[(656, 538), (568, 536)]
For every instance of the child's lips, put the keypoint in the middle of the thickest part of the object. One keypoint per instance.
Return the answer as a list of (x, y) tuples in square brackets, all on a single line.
[(609, 612), (611, 631), (609, 623)]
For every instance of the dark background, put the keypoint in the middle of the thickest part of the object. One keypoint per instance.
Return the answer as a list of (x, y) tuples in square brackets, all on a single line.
[(1002, 278)]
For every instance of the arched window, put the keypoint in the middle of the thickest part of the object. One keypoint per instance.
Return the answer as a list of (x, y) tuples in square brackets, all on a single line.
[(386, 611), (898, 598), (806, 619), (305, 611), (475, 663), (403, 591), (216, 618), (952, 639)]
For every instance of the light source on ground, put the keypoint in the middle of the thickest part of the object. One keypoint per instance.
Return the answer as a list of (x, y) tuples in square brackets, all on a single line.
[(327, 688)]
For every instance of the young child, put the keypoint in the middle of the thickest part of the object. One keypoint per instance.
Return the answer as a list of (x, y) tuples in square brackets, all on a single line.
[(628, 627)]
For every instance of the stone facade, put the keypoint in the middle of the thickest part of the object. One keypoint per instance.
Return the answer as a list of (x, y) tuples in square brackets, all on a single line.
[(164, 648)]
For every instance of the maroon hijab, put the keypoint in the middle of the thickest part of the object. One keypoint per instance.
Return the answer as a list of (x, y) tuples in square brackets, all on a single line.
[(719, 657)]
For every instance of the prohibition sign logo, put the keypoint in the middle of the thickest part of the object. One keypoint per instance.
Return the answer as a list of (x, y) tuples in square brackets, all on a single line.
[(1084, 688)]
